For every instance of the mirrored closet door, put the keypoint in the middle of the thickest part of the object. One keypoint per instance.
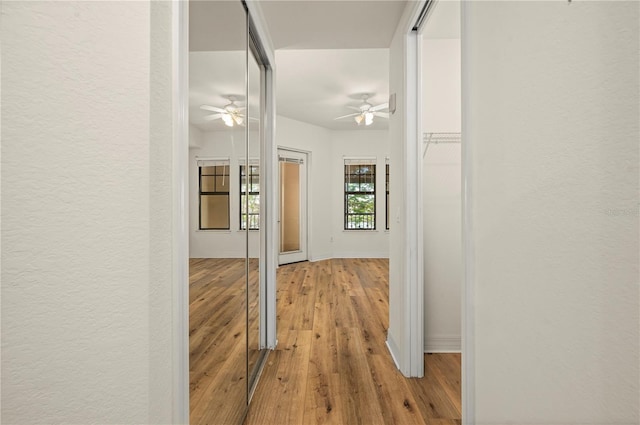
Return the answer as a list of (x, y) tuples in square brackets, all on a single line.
[(227, 241)]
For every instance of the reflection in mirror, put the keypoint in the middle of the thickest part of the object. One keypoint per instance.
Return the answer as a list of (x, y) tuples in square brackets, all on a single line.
[(251, 216), (217, 245)]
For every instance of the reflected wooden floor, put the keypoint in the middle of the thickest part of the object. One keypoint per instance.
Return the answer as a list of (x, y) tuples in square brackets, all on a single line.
[(331, 365), (217, 339)]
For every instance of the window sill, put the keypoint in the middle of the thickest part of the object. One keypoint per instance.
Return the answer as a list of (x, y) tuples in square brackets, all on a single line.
[(361, 231), (213, 230)]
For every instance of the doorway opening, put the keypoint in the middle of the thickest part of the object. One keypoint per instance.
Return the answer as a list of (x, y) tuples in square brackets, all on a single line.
[(293, 196)]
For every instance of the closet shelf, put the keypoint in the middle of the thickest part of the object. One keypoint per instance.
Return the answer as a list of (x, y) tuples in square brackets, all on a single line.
[(439, 138)]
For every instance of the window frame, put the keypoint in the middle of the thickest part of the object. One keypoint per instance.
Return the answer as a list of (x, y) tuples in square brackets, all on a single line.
[(249, 184), (347, 193), (386, 204), (225, 163)]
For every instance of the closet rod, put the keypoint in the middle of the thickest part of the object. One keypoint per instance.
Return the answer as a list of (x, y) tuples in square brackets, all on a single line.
[(439, 138)]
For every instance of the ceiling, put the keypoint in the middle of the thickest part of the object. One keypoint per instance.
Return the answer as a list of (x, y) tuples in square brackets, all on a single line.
[(315, 86), (328, 53), (327, 24)]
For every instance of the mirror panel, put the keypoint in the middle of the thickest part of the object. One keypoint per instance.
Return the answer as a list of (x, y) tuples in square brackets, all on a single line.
[(218, 268), (253, 216)]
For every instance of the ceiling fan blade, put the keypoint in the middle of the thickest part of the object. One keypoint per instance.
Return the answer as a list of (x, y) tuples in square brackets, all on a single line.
[(212, 117), (379, 107), (381, 114), (347, 116), (212, 108), (355, 108)]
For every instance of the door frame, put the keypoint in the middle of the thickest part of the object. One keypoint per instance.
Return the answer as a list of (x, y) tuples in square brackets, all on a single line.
[(307, 216), (180, 237), (180, 185)]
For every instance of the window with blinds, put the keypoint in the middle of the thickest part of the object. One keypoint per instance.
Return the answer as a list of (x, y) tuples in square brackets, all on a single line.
[(360, 194), (214, 194)]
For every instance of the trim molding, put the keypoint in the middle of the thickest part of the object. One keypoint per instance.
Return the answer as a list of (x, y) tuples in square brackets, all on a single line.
[(443, 344), (468, 241), (356, 254), (180, 237), (393, 349)]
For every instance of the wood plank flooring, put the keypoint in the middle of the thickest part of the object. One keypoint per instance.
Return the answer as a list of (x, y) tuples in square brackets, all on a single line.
[(217, 338), (331, 365)]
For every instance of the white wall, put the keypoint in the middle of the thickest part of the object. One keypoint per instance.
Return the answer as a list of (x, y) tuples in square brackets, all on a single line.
[(195, 136), (316, 140), (397, 334), (86, 212), (442, 195), (326, 202), (551, 127), (221, 243), (357, 243)]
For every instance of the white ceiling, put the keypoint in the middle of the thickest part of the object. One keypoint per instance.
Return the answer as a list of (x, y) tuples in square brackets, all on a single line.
[(328, 54), (315, 86), (330, 24)]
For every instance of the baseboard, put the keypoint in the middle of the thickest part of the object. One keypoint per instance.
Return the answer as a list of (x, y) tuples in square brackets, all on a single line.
[(315, 258), (443, 344), (393, 350), (360, 254)]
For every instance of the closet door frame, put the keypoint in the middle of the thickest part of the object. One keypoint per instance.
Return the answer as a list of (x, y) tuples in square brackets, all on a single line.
[(180, 236)]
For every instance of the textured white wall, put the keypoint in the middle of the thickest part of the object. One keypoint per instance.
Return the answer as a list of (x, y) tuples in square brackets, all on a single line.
[(442, 195), (553, 129), (86, 234), (356, 243)]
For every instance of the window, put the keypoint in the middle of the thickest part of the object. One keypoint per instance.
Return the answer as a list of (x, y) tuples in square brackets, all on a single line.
[(250, 197), (386, 203), (359, 194), (214, 194)]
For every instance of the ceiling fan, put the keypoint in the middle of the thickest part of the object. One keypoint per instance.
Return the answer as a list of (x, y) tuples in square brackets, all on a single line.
[(231, 114), (366, 112)]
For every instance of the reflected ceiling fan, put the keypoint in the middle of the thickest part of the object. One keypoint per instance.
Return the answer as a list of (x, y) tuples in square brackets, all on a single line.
[(231, 113), (366, 111)]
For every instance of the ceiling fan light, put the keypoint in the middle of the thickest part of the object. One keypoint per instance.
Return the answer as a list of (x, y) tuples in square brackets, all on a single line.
[(368, 118), (358, 119), (238, 119), (227, 120)]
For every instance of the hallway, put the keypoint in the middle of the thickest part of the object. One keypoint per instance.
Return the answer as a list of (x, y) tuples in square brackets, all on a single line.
[(331, 364)]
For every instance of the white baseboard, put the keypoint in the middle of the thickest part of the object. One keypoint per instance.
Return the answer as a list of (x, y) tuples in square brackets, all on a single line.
[(315, 258), (393, 350), (443, 344), (360, 254)]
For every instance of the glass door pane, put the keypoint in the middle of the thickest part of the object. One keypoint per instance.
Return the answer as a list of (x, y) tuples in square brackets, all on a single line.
[(289, 206)]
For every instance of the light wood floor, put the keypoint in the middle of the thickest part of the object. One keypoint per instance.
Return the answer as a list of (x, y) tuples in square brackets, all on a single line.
[(217, 338), (331, 365)]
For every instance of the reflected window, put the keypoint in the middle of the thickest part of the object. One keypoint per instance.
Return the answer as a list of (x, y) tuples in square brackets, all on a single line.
[(214, 195), (386, 202), (359, 195), (250, 197)]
